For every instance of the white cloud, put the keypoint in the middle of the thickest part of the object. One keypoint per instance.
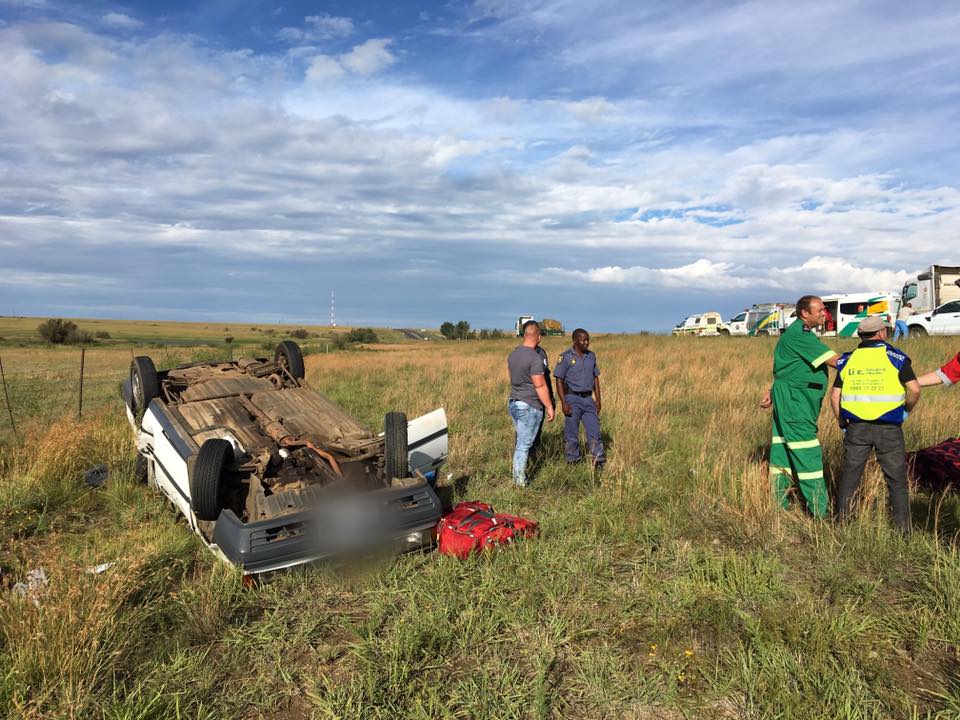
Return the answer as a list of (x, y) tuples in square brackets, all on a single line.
[(318, 27), (323, 67), (51, 280), (164, 145), (121, 21), (330, 25), (817, 274), (365, 59), (703, 274), (594, 109), (369, 58), (834, 274)]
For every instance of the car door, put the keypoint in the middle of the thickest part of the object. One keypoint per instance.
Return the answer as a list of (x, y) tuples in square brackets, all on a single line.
[(946, 319), (738, 324)]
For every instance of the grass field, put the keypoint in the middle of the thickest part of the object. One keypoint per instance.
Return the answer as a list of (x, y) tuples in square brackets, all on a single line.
[(667, 587), (22, 331)]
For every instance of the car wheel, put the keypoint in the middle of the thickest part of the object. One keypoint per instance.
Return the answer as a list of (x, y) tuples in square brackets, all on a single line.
[(206, 481), (289, 356), (141, 469), (916, 331), (396, 463), (143, 382)]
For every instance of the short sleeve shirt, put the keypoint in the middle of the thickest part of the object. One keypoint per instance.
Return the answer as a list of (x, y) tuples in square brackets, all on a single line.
[(578, 372), (800, 357), (546, 369), (523, 363), (950, 373)]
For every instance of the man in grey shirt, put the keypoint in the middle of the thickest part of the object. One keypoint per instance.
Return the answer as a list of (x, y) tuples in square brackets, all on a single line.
[(529, 398)]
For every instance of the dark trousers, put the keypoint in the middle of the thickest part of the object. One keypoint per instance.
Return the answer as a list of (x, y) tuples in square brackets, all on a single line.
[(584, 410), (887, 440)]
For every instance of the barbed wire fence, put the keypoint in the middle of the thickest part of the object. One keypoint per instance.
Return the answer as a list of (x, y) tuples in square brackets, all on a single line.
[(6, 395), (67, 403)]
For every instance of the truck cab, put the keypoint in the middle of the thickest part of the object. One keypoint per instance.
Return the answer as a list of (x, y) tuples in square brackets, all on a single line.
[(521, 321), (932, 288), (738, 324)]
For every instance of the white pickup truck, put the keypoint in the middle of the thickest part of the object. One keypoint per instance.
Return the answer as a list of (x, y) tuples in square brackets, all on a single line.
[(945, 320), (270, 473)]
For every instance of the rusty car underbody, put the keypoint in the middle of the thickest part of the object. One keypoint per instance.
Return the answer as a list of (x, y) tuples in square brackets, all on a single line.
[(271, 473)]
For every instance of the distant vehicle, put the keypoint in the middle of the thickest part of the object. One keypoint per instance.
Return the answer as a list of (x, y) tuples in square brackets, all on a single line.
[(704, 324), (770, 318), (945, 320), (271, 474), (737, 325), (521, 321), (548, 326), (849, 309), (937, 285), (685, 326)]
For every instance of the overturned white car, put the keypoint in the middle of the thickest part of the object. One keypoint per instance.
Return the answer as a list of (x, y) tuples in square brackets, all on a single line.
[(272, 474)]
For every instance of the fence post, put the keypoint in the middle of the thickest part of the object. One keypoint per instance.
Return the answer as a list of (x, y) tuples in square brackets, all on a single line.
[(83, 351), (13, 425)]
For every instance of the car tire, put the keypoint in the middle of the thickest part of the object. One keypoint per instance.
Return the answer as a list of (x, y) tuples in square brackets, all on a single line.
[(141, 469), (144, 384), (289, 356), (396, 462), (206, 480), (917, 332)]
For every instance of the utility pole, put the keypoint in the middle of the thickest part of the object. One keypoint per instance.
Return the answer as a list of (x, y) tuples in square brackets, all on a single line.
[(333, 314)]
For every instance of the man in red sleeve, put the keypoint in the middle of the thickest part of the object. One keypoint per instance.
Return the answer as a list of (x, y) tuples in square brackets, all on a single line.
[(948, 374)]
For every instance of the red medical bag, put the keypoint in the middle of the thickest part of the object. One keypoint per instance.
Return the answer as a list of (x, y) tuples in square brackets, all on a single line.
[(474, 526)]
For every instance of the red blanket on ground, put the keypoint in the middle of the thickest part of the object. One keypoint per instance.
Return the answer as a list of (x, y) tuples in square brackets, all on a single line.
[(474, 526), (937, 468)]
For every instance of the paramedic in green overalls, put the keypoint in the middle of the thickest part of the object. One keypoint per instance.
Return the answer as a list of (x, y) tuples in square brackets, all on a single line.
[(800, 363)]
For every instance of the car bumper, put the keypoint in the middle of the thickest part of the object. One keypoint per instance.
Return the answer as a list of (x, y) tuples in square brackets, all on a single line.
[(403, 517)]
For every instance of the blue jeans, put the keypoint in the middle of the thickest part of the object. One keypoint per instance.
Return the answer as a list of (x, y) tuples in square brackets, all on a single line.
[(900, 328), (526, 421)]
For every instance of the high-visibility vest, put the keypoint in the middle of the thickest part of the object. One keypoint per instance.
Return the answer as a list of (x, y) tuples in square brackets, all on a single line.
[(871, 385)]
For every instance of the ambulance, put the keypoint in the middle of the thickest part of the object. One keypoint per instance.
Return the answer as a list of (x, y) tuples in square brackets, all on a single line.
[(702, 325), (846, 311), (770, 318)]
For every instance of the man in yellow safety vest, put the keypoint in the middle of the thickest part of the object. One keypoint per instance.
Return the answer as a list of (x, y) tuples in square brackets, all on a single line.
[(873, 392)]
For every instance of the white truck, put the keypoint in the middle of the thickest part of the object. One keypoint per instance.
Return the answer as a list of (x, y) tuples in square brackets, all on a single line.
[(935, 286), (943, 320), (521, 321), (270, 473), (738, 324)]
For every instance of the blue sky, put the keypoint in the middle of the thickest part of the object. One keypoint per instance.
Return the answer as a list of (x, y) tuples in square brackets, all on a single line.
[(617, 165)]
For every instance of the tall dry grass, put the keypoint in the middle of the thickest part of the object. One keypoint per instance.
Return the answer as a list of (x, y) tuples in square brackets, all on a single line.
[(675, 548)]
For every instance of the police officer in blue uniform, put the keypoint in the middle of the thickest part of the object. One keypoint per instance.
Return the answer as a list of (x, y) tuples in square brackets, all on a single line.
[(578, 389)]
